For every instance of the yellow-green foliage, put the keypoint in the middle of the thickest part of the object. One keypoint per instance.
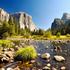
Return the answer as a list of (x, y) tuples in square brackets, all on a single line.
[(47, 34), (27, 53), (5, 43), (68, 35)]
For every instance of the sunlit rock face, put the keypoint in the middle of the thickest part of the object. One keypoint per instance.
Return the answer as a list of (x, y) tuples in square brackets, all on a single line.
[(23, 19), (4, 16)]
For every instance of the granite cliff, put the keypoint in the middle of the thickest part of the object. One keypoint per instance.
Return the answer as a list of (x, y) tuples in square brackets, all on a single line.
[(61, 25), (23, 19)]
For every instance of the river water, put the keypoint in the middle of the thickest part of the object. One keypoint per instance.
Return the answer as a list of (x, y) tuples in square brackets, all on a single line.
[(48, 47)]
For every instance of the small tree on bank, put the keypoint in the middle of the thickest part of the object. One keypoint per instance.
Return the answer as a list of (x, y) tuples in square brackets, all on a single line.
[(58, 34)]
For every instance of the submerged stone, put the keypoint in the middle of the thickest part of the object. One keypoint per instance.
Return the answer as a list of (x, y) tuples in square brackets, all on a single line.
[(45, 56), (63, 68), (46, 68), (59, 58)]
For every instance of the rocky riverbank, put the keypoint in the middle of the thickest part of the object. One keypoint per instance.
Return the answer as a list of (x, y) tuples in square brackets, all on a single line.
[(52, 55)]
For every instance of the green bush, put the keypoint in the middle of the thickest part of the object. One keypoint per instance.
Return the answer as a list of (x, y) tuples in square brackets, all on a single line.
[(47, 34), (5, 35), (58, 34), (16, 42), (68, 35), (5, 43), (27, 53)]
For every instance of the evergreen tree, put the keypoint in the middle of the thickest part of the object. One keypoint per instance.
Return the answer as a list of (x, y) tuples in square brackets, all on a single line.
[(4, 28), (11, 26)]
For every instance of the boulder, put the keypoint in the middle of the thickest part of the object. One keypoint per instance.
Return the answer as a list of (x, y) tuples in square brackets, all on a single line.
[(45, 56), (59, 58), (5, 59), (63, 68), (9, 54)]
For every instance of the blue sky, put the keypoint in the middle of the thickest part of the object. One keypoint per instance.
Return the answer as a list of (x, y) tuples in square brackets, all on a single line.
[(42, 11)]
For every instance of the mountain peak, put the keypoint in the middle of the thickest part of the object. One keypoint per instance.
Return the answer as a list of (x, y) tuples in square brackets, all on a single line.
[(66, 16)]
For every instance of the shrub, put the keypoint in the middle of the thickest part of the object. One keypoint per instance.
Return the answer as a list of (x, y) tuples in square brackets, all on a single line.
[(5, 35), (68, 35), (5, 43), (26, 53), (58, 34), (47, 34), (16, 42)]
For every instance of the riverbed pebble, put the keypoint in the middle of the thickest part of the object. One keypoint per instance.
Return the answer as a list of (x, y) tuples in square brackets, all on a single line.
[(45, 56), (47, 47), (63, 68), (48, 65), (39, 54), (46, 68), (32, 61), (9, 69), (53, 68), (59, 58)]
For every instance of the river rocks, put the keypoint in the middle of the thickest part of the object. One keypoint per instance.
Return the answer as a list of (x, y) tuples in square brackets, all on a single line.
[(10, 54), (47, 47), (6, 56), (2, 69), (59, 58), (17, 68), (38, 54), (63, 68), (54, 68), (11, 49), (46, 68), (57, 48), (32, 61), (48, 64), (9, 69), (45, 56), (5, 59)]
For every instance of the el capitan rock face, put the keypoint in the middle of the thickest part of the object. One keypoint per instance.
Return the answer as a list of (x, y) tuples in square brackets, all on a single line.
[(22, 18)]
